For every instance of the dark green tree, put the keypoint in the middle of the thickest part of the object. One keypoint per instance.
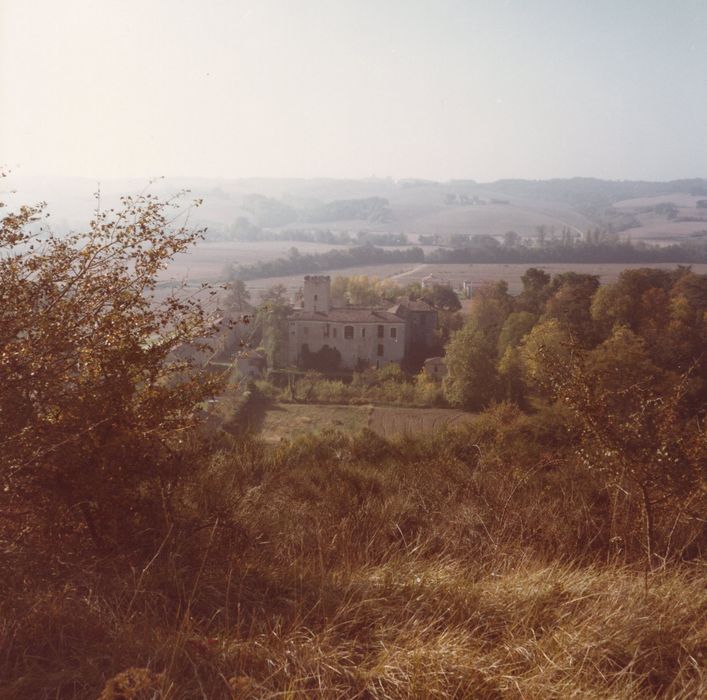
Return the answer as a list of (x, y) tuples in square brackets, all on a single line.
[(237, 297), (570, 303), (442, 297), (536, 290), (510, 365), (271, 319), (472, 380)]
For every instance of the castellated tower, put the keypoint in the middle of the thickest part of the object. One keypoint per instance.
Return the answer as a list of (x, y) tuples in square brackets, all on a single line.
[(317, 293)]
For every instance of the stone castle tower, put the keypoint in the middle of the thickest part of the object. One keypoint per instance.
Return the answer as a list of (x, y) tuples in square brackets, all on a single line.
[(317, 293)]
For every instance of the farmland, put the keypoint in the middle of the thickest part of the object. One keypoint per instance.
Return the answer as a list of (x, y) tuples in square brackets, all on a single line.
[(291, 420), (657, 213), (403, 273), (478, 273), (207, 262), (415, 207), (665, 219)]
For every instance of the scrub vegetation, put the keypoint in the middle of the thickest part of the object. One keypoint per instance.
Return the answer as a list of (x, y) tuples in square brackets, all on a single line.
[(552, 546)]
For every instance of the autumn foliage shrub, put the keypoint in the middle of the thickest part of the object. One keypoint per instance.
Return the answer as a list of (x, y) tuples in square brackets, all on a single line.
[(95, 407)]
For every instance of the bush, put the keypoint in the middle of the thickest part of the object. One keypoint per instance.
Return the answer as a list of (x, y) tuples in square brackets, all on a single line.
[(325, 359), (95, 402)]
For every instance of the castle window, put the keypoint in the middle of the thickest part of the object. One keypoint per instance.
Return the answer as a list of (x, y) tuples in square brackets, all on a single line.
[(316, 297), (348, 332), (380, 350), (381, 332), (326, 330), (363, 332), (334, 332), (393, 332)]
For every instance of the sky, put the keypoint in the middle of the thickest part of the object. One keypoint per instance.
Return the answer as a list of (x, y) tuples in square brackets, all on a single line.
[(438, 89)]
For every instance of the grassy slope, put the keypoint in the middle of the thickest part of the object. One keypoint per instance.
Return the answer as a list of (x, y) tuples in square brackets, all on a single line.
[(356, 568)]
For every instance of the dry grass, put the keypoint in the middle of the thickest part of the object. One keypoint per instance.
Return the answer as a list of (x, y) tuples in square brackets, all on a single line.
[(292, 420), (356, 568), (394, 422), (283, 420)]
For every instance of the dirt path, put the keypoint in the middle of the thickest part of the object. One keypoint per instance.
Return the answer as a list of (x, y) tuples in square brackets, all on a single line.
[(407, 272)]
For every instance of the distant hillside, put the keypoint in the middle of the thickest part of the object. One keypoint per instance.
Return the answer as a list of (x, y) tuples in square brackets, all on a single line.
[(530, 208), (587, 191)]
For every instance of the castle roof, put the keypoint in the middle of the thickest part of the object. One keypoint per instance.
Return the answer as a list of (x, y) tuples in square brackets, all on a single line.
[(346, 315)]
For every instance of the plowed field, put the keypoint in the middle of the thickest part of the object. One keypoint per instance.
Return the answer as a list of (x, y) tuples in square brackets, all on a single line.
[(392, 422)]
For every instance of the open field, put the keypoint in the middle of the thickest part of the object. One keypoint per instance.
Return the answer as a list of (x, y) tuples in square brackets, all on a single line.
[(405, 273), (496, 219), (291, 420), (288, 420), (293, 282), (391, 422), (488, 272), (666, 232), (679, 199), (427, 214), (207, 261), (657, 227), (345, 569), (414, 209)]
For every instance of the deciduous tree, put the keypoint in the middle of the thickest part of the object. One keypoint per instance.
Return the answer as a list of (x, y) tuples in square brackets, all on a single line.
[(472, 381), (442, 297), (637, 437), (93, 410), (272, 323)]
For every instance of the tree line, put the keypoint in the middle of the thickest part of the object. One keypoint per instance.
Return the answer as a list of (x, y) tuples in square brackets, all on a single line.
[(305, 263), (550, 252), (243, 229)]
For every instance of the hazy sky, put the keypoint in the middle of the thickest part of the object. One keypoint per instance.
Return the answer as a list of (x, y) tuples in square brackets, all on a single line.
[(439, 89)]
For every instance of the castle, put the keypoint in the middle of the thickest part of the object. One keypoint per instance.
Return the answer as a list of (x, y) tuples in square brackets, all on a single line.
[(361, 336)]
